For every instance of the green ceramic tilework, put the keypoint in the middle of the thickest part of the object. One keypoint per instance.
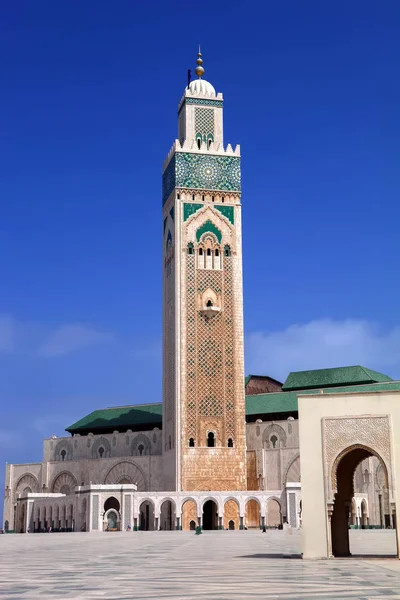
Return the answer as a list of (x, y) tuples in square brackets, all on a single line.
[(227, 211), (207, 171), (202, 102), (208, 226), (201, 171), (204, 122), (168, 179), (190, 209)]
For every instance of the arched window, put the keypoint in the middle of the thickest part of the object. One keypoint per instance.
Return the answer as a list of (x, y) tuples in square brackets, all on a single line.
[(230, 443), (227, 250), (208, 252), (101, 451), (202, 197), (201, 251), (212, 198), (211, 440), (191, 443), (223, 199), (192, 196), (216, 252), (190, 248), (140, 449), (63, 454), (274, 441), (209, 303)]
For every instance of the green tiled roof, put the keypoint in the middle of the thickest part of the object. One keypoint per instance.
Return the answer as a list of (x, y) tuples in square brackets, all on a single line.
[(121, 416), (322, 378), (286, 402), (150, 415), (273, 402)]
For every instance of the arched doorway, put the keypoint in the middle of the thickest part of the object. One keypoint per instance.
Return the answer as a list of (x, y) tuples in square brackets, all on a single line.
[(111, 514), (231, 515), (210, 515), (146, 518), (343, 481), (252, 514), (167, 516), (189, 515), (274, 514)]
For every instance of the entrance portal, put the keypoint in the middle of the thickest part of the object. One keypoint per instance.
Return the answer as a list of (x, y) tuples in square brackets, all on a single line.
[(343, 503), (210, 515)]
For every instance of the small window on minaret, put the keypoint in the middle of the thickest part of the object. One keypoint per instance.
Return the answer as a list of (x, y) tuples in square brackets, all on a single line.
[(212, 198), (190, 248), (216, 252), (63, 454), (201, 251), (230, 443), (191, 443), (211, 440), (203, 198), (192, 196), (208, 252), (227, 250), (199, 143), (223, 199), (209, 303), (179, 196)]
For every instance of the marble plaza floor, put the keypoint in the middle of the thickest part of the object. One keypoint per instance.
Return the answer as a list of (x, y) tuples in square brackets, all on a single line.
[(218, 565)]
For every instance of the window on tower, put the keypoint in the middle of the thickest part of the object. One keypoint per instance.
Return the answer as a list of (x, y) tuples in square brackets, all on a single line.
[(230, 443), (190, 248), (211, 440), (208, 252), (191, 443), (227, 250), (201, 251)]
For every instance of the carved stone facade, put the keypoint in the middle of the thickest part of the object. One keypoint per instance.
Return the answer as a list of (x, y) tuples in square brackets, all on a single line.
[(343, 435)]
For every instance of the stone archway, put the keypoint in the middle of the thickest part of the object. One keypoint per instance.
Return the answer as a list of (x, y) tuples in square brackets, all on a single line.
[(231, 514), (167, 515), (189, 514), (146, 515), (210, 515), (343, 471), (252, 514)]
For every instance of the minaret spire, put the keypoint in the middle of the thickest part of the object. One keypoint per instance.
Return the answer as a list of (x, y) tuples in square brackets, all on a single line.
[(199, 68)]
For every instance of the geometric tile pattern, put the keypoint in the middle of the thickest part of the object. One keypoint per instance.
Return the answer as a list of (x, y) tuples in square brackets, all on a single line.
[(189, 209), (201, 171), (202, 102), (204, 123), (165, 565)]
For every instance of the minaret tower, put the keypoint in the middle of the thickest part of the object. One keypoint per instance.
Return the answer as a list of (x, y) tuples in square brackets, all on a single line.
[(203, 375)]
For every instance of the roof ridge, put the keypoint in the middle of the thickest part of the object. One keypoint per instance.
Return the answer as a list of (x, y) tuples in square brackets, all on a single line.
[(129, 406)]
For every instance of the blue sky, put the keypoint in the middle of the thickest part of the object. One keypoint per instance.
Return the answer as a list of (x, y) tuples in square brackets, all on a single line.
[(87, 116)]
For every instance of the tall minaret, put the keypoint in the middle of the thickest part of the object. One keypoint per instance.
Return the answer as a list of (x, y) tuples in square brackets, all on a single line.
[(203, 375)]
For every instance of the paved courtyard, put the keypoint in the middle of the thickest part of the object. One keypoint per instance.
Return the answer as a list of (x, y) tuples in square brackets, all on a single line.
[(220, 565)]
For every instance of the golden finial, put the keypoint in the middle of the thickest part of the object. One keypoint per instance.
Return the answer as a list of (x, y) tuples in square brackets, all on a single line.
[(199, 68)]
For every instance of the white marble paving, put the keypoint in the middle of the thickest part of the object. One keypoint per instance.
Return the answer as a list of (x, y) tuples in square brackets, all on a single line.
[(220, 565)]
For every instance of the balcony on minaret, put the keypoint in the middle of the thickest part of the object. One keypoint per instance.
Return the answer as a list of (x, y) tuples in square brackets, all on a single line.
[(209, 303)]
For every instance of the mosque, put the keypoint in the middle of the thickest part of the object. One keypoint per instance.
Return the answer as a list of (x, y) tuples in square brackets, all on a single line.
[(221, 451)]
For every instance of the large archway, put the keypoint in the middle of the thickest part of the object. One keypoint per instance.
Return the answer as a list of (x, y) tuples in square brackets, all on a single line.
[(252, 514), (146, 516), (274, 514), (189, 515), (231, 515), (210, 515), (167, 516), (343, 474)]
